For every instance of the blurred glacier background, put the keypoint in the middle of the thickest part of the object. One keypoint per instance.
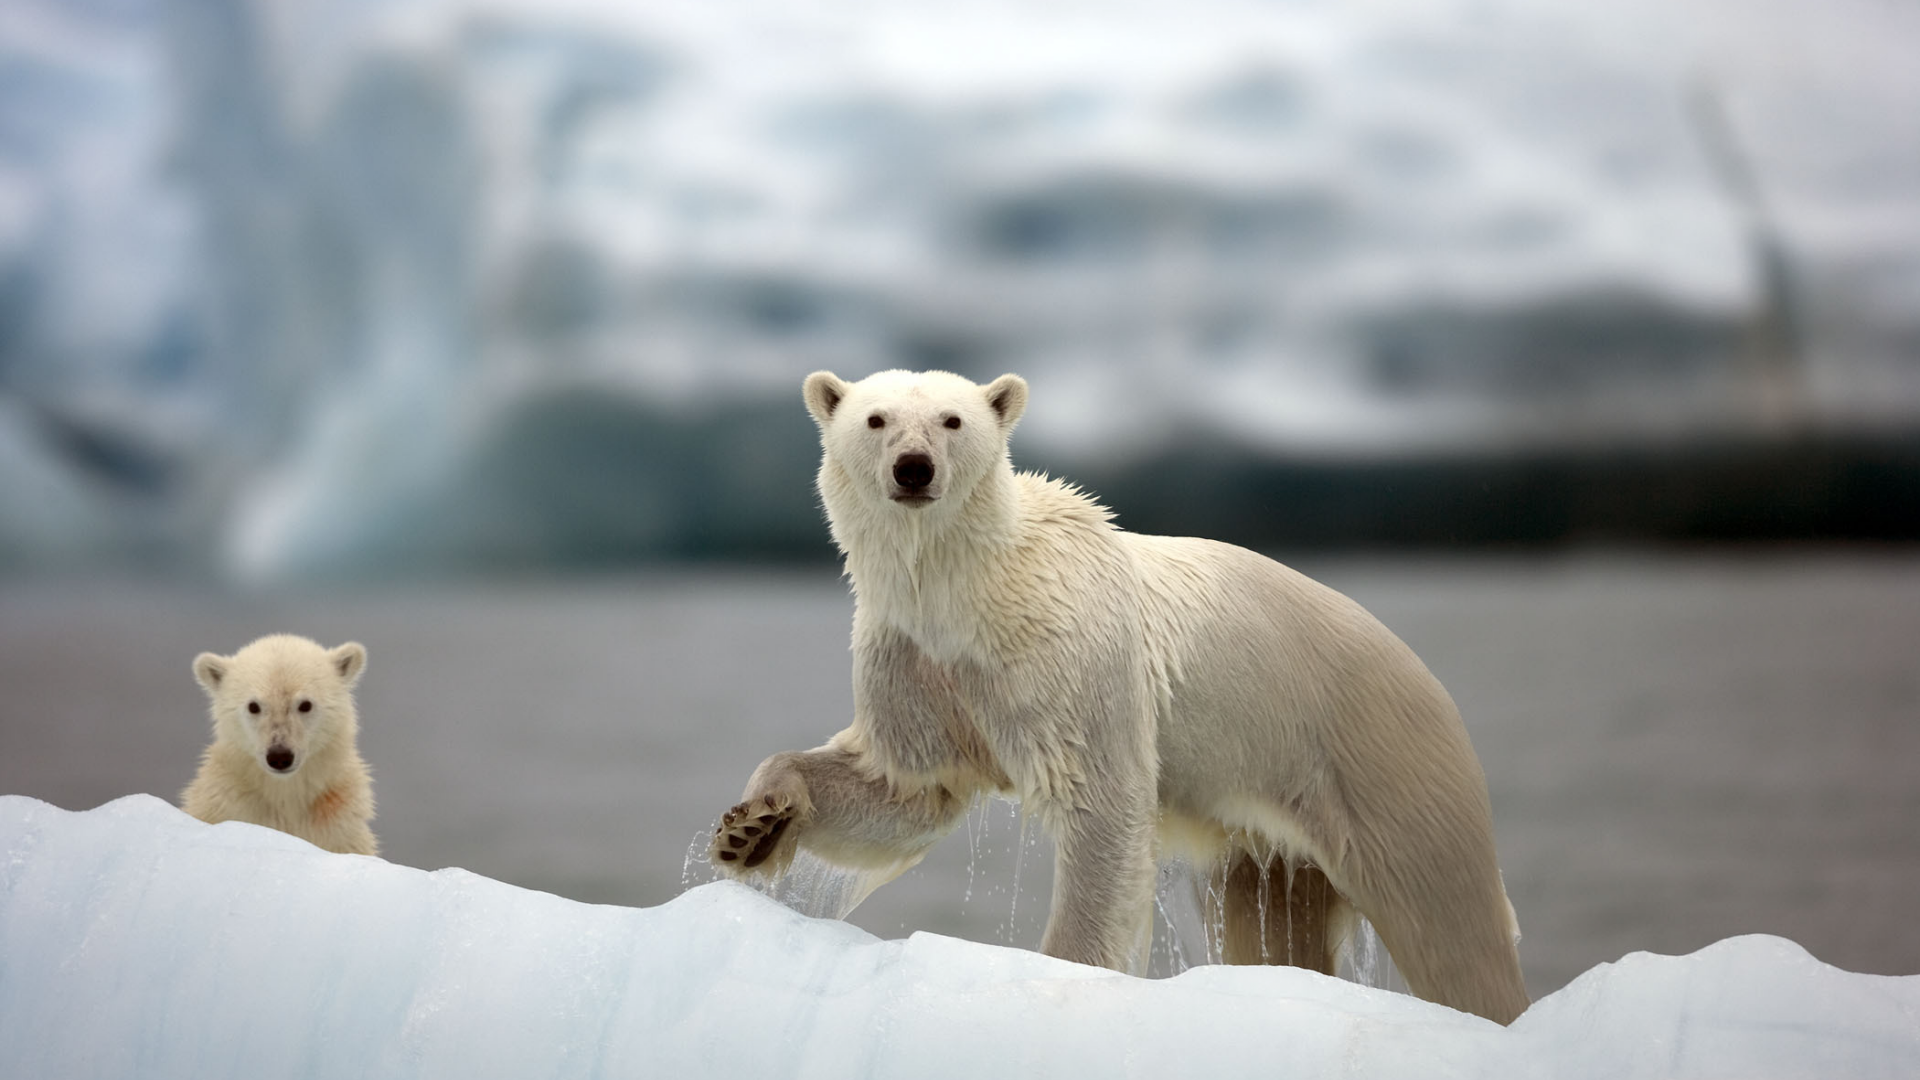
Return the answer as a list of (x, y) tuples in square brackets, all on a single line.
[(1580, 342), (296, 290)]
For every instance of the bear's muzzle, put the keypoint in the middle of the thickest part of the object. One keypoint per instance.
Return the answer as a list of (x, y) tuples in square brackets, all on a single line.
[(913, 475)]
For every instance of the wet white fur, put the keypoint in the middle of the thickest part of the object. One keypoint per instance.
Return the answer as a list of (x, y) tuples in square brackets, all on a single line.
[(327, 797), (1136, 693)]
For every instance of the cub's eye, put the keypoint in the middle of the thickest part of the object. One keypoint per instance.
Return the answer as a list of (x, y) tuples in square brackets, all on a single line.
[(306, 706), (875, 421), (253, 707), (953, 422)]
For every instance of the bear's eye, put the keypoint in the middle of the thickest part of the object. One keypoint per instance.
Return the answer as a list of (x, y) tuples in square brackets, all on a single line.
[(953, 422), (253, 707), (306, 706), (875, 421)]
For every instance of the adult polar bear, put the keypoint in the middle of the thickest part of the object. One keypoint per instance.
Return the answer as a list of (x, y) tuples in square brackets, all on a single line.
[(1141, 695)]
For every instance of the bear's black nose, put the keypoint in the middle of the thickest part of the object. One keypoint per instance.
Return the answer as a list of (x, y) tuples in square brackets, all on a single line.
[(279, 758), (913, 471)]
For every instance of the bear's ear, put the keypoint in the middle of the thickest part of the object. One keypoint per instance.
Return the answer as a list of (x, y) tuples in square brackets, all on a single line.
[(210, 669), (1008, 397), (349, 661), (824, 392)]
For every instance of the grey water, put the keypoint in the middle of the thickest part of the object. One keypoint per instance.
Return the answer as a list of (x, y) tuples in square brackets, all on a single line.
[(1680, 748)]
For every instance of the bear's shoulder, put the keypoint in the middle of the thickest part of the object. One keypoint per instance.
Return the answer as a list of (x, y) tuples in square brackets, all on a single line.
[(1046, 500)]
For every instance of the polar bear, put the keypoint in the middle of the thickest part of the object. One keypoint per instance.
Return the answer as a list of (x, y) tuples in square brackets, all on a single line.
[(284, 751), (1142, 696)]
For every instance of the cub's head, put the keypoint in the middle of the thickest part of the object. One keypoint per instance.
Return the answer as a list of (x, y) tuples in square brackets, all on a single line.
[(282, 698), (911, 439)]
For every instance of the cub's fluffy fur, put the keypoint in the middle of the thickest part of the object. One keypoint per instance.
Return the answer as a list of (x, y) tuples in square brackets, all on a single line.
[(283, 752)]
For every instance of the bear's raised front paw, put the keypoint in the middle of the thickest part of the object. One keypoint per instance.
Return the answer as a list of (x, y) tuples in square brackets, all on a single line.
[(750, 832)]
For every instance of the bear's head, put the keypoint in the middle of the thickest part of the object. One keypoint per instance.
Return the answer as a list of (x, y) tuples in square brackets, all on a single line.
[(911, 439), (283, 698)]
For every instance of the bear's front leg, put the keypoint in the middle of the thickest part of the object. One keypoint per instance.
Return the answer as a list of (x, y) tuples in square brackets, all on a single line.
[(834, 803), (1103, 886), (765, 825)]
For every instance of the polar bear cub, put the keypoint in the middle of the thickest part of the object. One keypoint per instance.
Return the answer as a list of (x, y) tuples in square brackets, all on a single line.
[(284, 751), (1143, 696)]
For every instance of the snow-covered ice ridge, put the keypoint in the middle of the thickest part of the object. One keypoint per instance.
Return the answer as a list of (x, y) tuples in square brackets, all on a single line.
[(136, 941)]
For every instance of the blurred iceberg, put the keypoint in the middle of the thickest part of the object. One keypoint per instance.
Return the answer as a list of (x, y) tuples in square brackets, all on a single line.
[(301, 289), (140, 942)]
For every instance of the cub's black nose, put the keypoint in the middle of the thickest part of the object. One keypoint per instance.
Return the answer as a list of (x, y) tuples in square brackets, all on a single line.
[(279, 758), (913, 471)]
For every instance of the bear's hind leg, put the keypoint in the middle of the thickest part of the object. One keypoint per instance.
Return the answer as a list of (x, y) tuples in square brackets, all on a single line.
[(1268, 911), (1443, 915), (1458, 951)]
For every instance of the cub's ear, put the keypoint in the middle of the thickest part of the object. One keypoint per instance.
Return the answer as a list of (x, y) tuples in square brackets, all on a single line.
[(210, 669), (1008, 397), (824, 391), (349, 660)]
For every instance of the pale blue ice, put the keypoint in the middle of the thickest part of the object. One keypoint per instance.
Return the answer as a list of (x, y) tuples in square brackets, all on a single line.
[(138, 942)]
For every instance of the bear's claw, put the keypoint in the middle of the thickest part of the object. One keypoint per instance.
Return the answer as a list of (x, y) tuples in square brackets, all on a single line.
[(749, 834)]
